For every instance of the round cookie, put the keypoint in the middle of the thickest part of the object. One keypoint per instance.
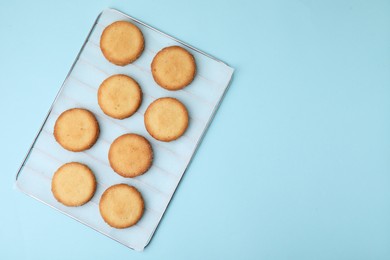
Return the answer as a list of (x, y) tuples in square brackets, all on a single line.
[(76, 129), (173, 68), (73, 184), (119, 96), (130, 155), (166, 119), (122, 43), (121, 206)]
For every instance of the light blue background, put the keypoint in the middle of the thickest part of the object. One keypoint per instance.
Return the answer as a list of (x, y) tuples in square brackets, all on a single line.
[(295, 164)]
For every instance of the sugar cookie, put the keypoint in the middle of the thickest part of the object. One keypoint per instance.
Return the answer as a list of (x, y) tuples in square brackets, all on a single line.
[(121, 206), (119, 96), (76, 129), (122, 43), (166, 119), (173, 68), (73, 184), (130, 155)]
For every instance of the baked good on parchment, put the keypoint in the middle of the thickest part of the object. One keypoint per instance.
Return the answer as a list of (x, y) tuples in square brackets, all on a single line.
[(121, 206), (73, 184), (119, 96), (173, 68), (130, 155), (122, 43), (76, 129), (166, 119)]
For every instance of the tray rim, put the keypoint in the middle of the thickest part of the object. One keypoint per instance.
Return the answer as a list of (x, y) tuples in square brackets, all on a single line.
[(216, 107)]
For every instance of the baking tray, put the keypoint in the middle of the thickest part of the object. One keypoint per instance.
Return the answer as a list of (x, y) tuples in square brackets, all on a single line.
[(202, 98)]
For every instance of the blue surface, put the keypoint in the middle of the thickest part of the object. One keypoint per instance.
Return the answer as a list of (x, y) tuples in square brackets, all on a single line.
[(294, 166)]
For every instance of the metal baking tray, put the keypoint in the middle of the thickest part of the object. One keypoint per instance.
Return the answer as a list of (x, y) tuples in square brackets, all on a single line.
[(202, 98)]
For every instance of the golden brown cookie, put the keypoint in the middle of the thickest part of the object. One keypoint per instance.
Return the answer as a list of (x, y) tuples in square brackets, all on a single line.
[(173, 68), (130, 155), (121, 206), (122, 43), (166, 119), (73, 184), (76, 129), (119, 96)]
